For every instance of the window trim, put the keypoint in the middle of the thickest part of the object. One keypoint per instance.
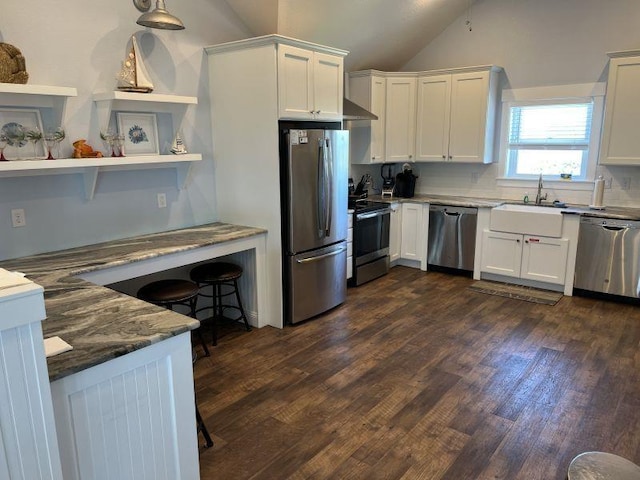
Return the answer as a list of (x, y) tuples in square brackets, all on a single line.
[(585, 92)]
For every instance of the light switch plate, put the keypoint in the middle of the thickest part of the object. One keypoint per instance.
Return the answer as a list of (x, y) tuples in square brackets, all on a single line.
[(162, 200)]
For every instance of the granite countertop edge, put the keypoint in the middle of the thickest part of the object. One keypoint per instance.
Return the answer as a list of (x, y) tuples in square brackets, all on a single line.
[(613, 212), (102, 324)]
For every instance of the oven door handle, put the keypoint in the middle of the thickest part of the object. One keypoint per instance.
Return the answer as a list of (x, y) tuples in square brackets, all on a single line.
[(379, 213), (325, 255)]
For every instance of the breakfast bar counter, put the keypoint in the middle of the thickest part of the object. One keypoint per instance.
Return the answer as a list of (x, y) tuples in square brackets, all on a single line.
[(124, 394), (100, 323)]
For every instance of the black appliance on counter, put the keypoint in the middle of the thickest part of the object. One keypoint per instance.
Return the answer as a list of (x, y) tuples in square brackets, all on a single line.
[(371, 224), (388, 180), (405, 182)]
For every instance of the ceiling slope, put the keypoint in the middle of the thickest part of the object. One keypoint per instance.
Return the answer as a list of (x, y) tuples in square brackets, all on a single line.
[(380, 34)]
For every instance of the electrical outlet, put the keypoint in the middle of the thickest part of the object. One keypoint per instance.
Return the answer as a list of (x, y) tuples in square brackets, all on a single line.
[(607, 182), (626, 183), (162, 200), (17, 217), (474, 177)]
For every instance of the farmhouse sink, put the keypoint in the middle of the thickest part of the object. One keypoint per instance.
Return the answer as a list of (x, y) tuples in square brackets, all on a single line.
[(527, 219)]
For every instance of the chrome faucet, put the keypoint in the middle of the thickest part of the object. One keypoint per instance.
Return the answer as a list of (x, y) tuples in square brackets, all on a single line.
[(539, 196)]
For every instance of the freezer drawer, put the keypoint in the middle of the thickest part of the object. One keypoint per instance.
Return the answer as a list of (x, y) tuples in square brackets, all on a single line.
[(317, 282), (608, 256)]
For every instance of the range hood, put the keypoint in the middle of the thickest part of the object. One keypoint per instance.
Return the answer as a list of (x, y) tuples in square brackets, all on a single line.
[(353, 111)]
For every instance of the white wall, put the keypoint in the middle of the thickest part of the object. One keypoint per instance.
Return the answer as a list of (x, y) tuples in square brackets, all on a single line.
[(538, 43), (81, 44)]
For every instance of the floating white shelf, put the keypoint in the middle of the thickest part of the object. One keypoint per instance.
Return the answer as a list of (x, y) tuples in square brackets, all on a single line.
[(90, 167), (39, 96), (44, 96), (107, 102)]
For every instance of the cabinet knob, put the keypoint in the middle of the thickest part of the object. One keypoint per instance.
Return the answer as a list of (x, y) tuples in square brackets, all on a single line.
[(518, 240), (444, 156), (526, 241), (450, 157), (410, 156)]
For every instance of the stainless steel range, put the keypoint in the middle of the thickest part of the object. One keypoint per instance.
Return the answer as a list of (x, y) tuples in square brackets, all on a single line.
[(370, 241)]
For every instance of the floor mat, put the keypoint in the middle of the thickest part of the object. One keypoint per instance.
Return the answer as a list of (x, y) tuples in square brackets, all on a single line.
[(518, 292)]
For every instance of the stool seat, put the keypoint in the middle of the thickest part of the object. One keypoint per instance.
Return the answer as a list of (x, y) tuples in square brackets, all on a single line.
[(215, 272), (168, 291), (222, 277), (603, 466)]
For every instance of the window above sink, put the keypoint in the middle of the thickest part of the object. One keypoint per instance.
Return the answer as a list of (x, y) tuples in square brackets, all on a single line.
[(551, 130)]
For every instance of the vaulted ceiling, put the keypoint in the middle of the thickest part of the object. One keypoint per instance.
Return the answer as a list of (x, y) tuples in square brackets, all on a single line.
[(380, 34)]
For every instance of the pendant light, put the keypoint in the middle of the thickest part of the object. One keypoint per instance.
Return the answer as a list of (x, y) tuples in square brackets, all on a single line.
[(158, 18)]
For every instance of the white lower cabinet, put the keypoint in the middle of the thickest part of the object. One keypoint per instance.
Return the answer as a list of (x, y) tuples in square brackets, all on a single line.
[(412, 246), (395, 232), (542, 259)]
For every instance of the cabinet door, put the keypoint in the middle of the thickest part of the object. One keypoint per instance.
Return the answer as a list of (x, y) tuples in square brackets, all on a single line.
[(432, 118), (395, 232), (400, 119), (545, 259), (378, 107), (620, 139), (501, 253), (295, 82), (328, 84), (469, 103), (366, 139), (412, 236)]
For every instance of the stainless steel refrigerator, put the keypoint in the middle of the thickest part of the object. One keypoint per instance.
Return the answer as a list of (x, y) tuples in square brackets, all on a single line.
[(313, 176)]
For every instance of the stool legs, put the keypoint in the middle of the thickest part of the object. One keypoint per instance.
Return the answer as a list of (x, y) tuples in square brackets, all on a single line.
[(242, 316), (203, 429)]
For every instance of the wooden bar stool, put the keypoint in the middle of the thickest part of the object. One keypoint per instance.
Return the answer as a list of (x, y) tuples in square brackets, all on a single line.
[(220, 275), (170, 292)]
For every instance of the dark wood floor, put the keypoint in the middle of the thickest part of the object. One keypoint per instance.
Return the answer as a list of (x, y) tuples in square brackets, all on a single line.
[(417, 377)]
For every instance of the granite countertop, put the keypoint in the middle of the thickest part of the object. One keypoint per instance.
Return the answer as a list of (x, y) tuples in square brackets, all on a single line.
[(619, 213), (454, 201), (100, 323)]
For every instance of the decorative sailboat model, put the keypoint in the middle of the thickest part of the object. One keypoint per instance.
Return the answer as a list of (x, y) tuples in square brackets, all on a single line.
[(133, 76), (178, 147)]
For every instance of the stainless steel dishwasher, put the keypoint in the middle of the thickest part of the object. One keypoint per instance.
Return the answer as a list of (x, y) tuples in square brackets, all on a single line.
[(452, 236), (608, 257)]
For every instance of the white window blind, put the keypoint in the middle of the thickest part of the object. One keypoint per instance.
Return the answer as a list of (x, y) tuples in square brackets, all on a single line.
[(549, 138)]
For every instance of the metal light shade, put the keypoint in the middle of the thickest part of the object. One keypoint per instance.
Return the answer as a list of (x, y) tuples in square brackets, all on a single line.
[(160, 18)]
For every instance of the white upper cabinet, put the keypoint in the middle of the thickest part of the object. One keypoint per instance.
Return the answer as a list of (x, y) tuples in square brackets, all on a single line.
[(368, 90), (432, 123), (620, 139), (455, 119), (400, 118), (436, 116), (310, 84)]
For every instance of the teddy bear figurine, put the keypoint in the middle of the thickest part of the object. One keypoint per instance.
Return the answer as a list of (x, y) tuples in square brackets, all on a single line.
[(12, 65)]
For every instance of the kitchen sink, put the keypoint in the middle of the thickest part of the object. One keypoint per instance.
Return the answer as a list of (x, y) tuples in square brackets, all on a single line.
[(527, 219)]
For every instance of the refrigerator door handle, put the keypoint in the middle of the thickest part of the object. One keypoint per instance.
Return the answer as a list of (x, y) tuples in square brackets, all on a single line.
[(322, 197), (328, 183), (320, 257)]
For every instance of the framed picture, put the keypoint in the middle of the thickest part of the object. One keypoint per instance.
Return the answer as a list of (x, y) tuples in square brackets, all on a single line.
[(18, 125), (140, 132)]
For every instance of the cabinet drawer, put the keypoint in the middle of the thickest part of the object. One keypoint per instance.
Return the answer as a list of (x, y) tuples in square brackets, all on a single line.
[(350, 235), (349, 249), (349, 267)]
